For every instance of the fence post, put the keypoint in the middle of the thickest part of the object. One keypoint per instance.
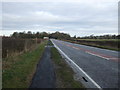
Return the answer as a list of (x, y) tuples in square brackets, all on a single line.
[(7, 53), (36, 41), (25, 45)]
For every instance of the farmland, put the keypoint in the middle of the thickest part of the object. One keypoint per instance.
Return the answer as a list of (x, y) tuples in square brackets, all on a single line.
[(112, 44), (16, 46), (19, 59), (22, 52), (18, 70)]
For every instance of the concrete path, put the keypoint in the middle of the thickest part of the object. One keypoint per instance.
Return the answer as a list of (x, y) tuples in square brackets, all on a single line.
[(44, 76)]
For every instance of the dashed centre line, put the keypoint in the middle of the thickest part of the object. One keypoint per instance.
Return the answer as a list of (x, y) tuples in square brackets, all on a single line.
[(97, 55), (94, 53)]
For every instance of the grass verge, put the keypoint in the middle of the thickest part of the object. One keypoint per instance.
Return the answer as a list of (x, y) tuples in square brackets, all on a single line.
[(97, 45), (64, 74), (18, 71)]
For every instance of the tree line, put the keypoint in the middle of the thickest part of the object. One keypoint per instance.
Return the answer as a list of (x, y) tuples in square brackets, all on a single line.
[(59, 35), (29, 34), (101, 37)]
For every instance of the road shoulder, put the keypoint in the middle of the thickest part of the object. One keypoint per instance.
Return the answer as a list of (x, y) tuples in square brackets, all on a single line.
[(65, 77)]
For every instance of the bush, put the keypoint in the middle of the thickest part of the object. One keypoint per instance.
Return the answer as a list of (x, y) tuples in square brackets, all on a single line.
[(12, 46)]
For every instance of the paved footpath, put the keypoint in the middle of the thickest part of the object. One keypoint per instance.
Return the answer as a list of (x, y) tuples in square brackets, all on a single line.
[(44, 76)]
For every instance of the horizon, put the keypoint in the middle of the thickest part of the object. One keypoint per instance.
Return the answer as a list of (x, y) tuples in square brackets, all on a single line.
[(55, 32)]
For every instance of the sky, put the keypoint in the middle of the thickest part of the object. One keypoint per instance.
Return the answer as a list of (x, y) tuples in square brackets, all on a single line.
[(75, 17)]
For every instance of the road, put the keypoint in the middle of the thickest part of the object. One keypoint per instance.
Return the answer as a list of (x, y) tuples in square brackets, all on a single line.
[(100, 65)]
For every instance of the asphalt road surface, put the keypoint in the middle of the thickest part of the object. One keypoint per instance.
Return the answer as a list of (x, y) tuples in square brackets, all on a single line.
[(44, 76), (100, 65)]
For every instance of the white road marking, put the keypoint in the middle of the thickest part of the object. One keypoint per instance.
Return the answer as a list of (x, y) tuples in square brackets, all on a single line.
[(93, 53), (78, 67), (75, 48), (97, 55)]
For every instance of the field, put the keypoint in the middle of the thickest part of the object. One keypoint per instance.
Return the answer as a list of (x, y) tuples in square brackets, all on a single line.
[(112, 44), (19, 70), (12, 46), (100, 39), (19, 60)]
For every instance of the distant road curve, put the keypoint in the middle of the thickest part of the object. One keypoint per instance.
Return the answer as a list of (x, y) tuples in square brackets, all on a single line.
[(100, 65)]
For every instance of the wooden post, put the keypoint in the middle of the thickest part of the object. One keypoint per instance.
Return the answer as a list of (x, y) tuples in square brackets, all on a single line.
[(36, 41), (25, 45), (7, 53)]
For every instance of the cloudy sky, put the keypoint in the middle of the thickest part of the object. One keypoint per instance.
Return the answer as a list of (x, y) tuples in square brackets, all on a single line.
[(81, 18)]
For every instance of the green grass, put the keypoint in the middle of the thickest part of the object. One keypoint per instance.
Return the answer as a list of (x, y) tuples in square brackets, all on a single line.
[(64, 74), (50, 43), (99, 39), (103, 47), (18, 71), (107, 44)]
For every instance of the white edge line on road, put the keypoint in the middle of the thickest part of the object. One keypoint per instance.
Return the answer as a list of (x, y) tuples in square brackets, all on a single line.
[(77, 66)]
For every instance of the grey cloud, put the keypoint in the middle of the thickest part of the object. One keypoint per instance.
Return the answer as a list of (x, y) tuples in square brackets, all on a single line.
[(81, 16)]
